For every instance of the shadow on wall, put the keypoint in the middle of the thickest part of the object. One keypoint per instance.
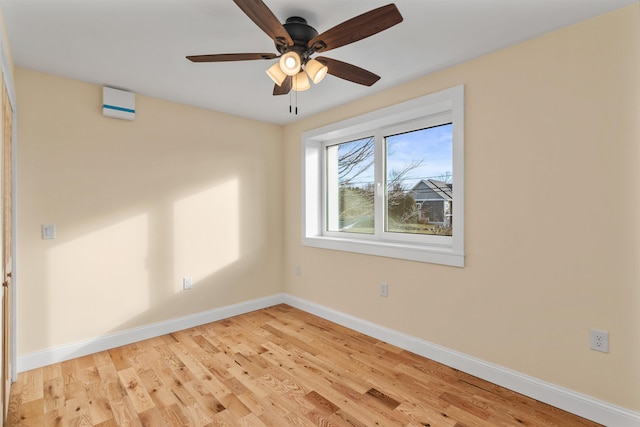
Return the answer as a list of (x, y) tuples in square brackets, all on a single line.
[(106, 277), (119, 259)]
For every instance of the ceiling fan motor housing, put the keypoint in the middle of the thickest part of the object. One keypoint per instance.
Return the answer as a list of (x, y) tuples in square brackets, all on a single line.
[(300, 33)]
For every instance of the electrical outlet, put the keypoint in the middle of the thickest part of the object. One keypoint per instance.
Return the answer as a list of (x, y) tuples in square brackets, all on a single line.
[(599, 340), (186, 283), (384, 290), (298, 271)]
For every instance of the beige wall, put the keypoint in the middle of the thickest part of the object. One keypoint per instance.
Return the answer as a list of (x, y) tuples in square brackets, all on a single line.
[(138, 205), (552, 208)]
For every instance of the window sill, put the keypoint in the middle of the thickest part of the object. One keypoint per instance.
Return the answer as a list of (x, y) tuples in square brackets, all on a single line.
[(412, 252)]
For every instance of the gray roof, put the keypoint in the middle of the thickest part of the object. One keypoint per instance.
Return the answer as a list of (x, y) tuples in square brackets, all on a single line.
[(441, 188)]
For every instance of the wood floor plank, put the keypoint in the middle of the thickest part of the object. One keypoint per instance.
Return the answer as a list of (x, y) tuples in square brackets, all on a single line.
[(172, 416), (124, 413), (33, 385), (51, 372), (135, 390), (54, 396), (276, 367), (99, 406)]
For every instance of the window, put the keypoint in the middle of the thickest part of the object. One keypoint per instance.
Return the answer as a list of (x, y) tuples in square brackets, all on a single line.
[(389, 183)]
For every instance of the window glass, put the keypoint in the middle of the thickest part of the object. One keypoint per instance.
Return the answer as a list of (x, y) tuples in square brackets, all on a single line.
[(350, 186), (419, 181)]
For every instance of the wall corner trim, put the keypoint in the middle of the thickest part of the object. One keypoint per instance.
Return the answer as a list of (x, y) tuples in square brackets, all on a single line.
[(568, 400)]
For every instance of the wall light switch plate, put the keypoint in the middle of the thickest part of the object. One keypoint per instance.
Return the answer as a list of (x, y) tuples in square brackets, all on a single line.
[(384, 290), (48, 231)]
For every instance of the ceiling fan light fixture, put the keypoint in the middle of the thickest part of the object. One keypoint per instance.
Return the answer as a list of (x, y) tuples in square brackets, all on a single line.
[(301, 82), (276, 74), (290, 63), (316, 70)]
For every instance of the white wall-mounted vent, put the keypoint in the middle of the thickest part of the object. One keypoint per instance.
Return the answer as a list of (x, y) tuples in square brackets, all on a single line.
[(119, 104)]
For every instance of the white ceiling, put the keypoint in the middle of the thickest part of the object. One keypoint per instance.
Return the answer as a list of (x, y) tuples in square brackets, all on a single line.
[(140, 45)]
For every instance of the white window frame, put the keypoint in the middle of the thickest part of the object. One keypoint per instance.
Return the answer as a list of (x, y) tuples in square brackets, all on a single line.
[(433, 249)]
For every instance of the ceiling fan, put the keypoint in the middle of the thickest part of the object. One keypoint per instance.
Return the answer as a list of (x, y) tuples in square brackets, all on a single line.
[(296, 41)]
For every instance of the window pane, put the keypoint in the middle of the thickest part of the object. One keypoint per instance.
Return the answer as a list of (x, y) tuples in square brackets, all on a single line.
[(419, 167), (350, 186)]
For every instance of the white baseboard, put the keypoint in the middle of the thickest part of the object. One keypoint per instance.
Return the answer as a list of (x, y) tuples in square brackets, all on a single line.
[(570, 401), (82, 348)]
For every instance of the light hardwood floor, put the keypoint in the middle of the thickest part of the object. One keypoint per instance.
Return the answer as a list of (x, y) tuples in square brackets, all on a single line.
[(274, 367)]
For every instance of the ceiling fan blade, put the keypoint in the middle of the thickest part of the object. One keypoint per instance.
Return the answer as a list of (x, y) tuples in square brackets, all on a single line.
[(224, 57), (349, 72), (358, 28), (262, 16), (284, 88)]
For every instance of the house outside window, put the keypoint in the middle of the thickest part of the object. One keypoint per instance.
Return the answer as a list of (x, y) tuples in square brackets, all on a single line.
[(434, 202)]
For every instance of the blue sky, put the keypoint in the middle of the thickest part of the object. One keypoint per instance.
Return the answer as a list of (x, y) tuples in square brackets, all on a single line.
[(432, 147)]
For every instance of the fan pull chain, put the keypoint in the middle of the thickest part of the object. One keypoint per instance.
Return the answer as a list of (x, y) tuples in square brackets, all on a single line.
[(296, 102)]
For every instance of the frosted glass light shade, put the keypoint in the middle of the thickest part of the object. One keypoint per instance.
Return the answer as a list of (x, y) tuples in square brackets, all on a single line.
[(301, 82), (290, 63), (316, 70), (276, 74)]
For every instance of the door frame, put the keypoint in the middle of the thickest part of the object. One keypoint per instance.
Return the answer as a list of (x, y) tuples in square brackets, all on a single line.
[(7, 72)]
